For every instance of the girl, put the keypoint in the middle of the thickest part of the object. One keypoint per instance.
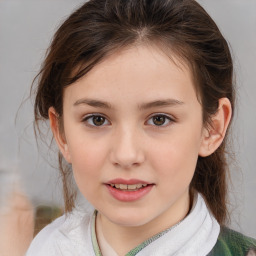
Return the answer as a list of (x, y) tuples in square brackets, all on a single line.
[(139, 95)]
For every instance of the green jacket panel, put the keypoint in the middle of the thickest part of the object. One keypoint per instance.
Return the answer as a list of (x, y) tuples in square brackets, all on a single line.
[(232, 243)]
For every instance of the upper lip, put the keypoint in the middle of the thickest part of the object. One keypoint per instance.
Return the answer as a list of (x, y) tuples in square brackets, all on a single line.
[(127, 182)]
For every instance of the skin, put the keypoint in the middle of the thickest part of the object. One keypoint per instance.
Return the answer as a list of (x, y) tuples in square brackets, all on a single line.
[(130, 145)]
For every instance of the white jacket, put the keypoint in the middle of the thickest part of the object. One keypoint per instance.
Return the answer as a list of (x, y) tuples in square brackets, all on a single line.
[(73, 235)]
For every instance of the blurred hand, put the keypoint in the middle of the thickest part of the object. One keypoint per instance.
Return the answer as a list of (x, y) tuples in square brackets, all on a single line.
[(16, 225)]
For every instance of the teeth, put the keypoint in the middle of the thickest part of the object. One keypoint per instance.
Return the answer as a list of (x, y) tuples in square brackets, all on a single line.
[(128, 187), (123, 186), (134, 186), (139, 185)]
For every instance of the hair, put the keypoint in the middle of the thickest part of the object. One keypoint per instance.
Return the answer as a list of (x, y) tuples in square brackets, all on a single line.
[(180, 28)]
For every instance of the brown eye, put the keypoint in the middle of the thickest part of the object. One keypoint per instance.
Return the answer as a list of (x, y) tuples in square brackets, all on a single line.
[(159, 120), (98, 120), (95, 120)]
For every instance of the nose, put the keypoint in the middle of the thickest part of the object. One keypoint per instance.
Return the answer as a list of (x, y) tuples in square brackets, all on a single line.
[(127, 148)]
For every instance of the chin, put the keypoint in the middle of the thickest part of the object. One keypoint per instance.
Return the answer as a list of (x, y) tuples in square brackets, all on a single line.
[(129, 218)]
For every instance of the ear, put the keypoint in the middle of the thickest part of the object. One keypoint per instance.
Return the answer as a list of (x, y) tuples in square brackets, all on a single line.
[(213, 136), (58, 134)]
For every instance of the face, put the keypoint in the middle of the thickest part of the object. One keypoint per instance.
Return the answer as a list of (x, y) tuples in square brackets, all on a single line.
[(133, 132)]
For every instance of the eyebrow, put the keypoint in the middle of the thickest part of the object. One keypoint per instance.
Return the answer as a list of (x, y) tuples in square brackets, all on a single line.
[(106, 105), (93, 103), (161, 103)]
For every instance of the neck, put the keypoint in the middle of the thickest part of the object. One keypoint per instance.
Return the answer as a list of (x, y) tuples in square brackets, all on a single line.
[(124, 238)]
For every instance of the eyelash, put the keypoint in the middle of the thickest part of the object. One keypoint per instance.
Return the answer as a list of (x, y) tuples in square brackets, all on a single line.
[(88, 120)]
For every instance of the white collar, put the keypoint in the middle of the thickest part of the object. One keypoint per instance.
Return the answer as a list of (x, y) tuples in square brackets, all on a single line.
[(196, 235)]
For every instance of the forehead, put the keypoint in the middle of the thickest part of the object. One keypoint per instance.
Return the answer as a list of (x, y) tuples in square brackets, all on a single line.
[(143, 71)]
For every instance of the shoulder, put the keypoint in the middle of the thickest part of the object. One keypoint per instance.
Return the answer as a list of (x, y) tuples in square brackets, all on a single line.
[(62, 236), (44, 237), (231, 243)]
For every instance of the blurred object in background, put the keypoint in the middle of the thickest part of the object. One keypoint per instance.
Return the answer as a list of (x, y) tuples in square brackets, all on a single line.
[(17, 223), (16, 216), (45, 215), (8, 178)]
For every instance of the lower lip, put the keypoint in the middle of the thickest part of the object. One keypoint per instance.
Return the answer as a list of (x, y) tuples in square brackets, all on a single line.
[(129, 196)]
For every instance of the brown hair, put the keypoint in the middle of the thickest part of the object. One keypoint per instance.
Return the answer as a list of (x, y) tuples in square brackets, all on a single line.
[(182, 27)]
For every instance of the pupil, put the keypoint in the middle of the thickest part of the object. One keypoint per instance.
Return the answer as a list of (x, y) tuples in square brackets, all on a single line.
[(159, 120), (98, 120)]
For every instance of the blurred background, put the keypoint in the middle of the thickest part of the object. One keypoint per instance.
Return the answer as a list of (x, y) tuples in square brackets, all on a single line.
[(26, 28)]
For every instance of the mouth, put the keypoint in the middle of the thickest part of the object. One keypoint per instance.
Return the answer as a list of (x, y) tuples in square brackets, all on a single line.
[(128, 190), (131, 187)]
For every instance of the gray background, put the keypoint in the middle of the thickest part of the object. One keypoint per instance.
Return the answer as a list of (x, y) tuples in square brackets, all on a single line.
[(25, 31)]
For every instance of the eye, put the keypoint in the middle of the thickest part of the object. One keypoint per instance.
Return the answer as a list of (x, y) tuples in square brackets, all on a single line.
[(96, 120), (160, 120)]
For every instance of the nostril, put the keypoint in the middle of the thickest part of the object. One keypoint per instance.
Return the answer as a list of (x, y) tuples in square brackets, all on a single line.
[(127, 160)]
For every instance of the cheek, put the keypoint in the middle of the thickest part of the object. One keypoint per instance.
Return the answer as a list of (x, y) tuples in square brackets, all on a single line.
[(176, 159), (87, 158), (87, 162)]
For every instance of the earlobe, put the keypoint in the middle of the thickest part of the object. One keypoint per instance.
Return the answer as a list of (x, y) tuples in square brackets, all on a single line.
[(213, 136), (58, 134)]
